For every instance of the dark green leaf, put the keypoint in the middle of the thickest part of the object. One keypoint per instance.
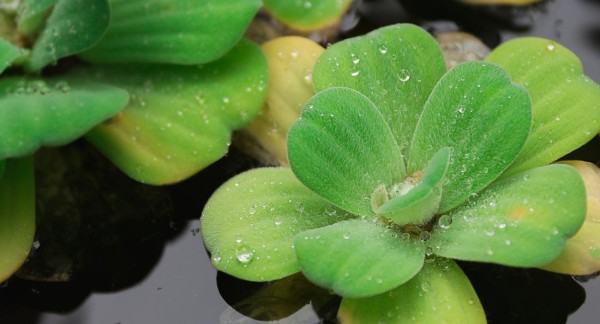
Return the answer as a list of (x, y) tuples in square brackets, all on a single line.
[(522, 220), (17, 214), (440, 293), (249, 223), (172, 31), (483, 117), (32, 13), (342, 149), (396, 67), (180, 118), (73, 26), (358, 258), (52, 112), (565, 102)]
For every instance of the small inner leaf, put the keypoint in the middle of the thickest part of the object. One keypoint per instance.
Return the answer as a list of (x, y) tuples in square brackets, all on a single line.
[(420, 204), (17, 214), (485, 118), (440, 293), (8, 54), (51, 112), (522, 220), (565, 102), (307, 15), (249, 223), (358, 258), (32, 13), (73, 27), (342, 149), (172, 31)]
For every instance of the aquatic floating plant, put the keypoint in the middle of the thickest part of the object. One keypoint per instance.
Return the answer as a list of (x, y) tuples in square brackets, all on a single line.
[(399, 166)]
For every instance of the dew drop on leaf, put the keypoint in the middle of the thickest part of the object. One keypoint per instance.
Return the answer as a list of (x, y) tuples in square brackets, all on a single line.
[(404, 75), (244, 254)]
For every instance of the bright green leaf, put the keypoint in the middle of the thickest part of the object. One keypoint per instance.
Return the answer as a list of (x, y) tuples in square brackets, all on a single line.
[(565, 102), (32, 14), (309, 14), (17, 214), (483, 117), (440, 293), (73, 26), (358, 258), (172, 31), (522, 220), (8, 53), (420, 204), (52, 112), (180, 118), (342, 149), (396, 67), (249, 223)]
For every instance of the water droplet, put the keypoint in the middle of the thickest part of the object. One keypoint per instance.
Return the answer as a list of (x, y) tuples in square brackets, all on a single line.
[(461, 110), (307, 5), (492, 204), (354, 71), (383, 49), (445, 221), (404, 75), (405, 236), (225, 100), (507, 242), (299, 207), (278, 221), (550, 47), (424, 236), (244, 254), (425, 287), (346, 236)]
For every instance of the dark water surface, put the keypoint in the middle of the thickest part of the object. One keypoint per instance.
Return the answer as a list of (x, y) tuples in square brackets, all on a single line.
[(166, 276)]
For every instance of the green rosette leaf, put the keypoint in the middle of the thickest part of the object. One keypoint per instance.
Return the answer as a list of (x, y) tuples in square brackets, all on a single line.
[(31, 15), (249, 223), (565, 102), (73, 26), (307, 15), (8, 54), (17, 214), (522, 220), (396, 67), (485, 118), (439, 293), (358, 258), (53, 112), (172, 31), (180, 118), (342, 149)]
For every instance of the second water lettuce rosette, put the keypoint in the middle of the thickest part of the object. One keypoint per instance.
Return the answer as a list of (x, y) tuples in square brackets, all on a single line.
[(398, 167)]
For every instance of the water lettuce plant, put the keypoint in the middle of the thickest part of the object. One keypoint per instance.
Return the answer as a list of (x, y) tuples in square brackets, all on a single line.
[(399, 167)]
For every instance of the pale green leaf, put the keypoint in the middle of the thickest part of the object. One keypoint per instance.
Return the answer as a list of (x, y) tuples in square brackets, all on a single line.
[(358, 258), (249, 223), (17, 214), (73, 26), (35, 113), (32, 13), (172, 31), (342, 149), (180, 118), (309, 14), (485, 118), (396, 67), (522, 220), (8, 54), (422, 202), (565, 102), (439, 293)]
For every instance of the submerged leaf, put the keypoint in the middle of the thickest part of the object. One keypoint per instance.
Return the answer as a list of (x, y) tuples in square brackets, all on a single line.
[(307, 15), (73, 26), (17, 214), (180, 118), (565, 102), (485, 118), (439, 293), (581, 255), (358, 258), (342, 149), (249, 223), (396, 67), (522, 220), (291, 60), (172, 31), (38, 113)]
